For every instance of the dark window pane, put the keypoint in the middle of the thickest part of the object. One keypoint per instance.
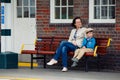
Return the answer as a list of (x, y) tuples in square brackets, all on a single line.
[(112, 12), (111, 1), (57, 2), (70, 13), (57, 13), (97, 12), (96, 2), (70, 2), (64, 11), (104, 12), (32, 2), (32, 12), (19, 12), (104, 2), (25, 3), (26, 12), (64, 2), (19, 2)]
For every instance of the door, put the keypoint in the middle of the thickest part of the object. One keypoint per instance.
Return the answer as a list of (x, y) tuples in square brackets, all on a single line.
[(24, 23), (24, 31)]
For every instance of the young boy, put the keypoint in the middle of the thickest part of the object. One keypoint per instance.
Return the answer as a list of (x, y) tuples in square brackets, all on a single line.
[(87, 46)]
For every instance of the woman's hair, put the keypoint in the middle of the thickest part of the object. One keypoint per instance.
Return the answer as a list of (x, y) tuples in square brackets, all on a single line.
[(73, 22)]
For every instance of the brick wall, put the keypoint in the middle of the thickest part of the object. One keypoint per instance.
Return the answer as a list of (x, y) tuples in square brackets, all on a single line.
[(118, 15), (44, 28)]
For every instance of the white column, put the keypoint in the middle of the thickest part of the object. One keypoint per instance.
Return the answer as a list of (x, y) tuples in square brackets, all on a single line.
[(3, 26), (6, 24)]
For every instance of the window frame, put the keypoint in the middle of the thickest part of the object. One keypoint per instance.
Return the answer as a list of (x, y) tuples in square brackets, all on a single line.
[(91, 15), (29, 6), (52, 14)]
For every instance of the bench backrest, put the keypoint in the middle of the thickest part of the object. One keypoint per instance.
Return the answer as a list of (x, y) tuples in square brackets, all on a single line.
[(102, 44), (44, 43), (48, 43), (102, 41), (56, 41), (51, 44)]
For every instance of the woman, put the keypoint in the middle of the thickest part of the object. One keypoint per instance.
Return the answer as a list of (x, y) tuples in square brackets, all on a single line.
[(74, 42)]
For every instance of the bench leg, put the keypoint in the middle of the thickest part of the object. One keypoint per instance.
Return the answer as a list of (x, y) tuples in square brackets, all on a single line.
[(44, 61), (86, 64), (98, 62), (31, 61)]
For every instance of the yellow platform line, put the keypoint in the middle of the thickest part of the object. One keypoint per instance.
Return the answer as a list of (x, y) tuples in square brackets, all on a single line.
[(27, 64), (15, 78)]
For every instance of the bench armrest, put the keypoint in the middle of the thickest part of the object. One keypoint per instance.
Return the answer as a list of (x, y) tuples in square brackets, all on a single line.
[(101, 50), (99, 47), (109, 40), (95, 50), (23, 46)]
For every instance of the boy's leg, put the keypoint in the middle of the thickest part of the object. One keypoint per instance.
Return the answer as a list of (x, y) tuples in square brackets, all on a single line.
[(76, 53), (79, 55), (82, 52), (74, 59)]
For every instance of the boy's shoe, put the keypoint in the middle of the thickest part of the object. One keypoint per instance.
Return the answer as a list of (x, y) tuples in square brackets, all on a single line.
[(74, 64), (75, 59), (64, 69), (52, 61)]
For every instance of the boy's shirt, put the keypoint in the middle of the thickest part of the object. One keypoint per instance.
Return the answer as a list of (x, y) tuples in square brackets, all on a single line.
[(89, 42)]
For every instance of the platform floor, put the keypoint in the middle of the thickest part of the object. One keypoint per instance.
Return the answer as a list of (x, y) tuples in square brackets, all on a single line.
[(55, 74)]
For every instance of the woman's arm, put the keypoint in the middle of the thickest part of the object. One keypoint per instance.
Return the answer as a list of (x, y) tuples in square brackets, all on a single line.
[(80, 37), (71, 35)]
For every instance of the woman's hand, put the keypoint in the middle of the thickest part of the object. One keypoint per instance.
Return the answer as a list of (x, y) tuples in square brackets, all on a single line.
[(74, 42), (83, 47)]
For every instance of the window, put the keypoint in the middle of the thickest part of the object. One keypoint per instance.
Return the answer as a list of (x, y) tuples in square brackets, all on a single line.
[(26, 8), (102, 11), (61, 11)]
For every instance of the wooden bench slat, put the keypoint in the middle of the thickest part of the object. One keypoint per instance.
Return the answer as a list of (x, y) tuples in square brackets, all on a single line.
[(29, 52), (46, 52)]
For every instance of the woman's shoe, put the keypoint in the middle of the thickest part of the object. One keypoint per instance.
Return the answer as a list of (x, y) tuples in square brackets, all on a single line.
[(64, 69), (52, 61)]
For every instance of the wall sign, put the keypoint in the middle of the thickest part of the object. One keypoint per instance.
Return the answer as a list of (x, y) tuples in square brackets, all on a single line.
[(2, 20), (2, 9), (6, 1), (2, 13), (5, 32)]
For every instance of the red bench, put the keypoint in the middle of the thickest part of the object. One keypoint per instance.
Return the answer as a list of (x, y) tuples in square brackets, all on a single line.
[(48, 45)]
